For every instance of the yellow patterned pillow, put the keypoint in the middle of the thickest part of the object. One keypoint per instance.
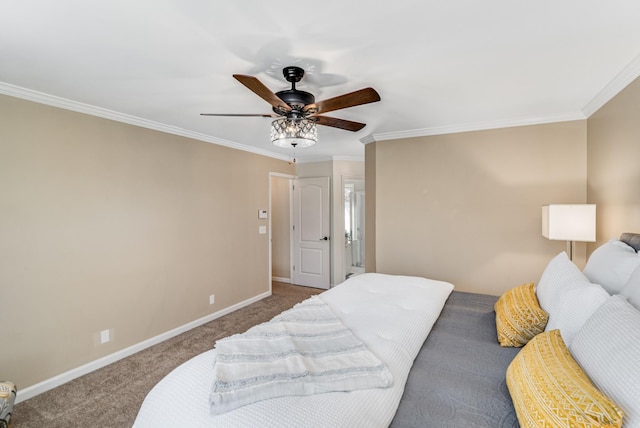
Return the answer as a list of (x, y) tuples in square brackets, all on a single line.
[(519, 316), (549, 389)]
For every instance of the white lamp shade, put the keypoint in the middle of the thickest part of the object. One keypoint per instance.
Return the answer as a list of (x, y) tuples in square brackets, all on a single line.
[(569, 222)]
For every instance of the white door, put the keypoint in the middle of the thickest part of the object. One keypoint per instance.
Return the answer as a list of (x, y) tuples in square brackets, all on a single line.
[(311, 227)]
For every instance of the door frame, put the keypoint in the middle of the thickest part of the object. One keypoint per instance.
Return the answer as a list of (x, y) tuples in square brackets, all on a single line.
[(290, 178), (342, 250), (332, 255)]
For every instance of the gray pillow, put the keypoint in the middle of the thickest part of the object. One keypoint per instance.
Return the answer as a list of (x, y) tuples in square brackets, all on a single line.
[(577, 305), (607, 347), (560, 276), (632, 289), (611, 265)]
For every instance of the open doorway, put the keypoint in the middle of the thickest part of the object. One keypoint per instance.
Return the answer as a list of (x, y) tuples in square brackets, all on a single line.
[(354, 203), (280, 226)]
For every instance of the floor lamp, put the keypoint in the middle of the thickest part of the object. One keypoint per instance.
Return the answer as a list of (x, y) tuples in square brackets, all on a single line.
[(569, 223)]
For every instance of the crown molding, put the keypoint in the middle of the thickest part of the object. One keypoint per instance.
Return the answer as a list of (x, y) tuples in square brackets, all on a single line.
[(622, 79), (368, 139), (476, 126), (348, 158), (314, 159), (330, 159), (63, 103)]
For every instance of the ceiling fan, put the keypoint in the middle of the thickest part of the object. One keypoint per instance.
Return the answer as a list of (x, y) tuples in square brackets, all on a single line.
[(298, 111)]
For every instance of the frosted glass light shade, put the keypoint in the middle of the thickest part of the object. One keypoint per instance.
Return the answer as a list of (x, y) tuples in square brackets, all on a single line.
[(288, 133), (569, 222)]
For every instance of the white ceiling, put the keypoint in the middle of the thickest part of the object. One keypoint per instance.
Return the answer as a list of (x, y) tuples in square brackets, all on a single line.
[(439, 66)]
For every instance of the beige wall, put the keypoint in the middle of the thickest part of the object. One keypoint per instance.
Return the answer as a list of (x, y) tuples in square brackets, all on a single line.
[(104, 225), (314, 169), (370, 191), (465, 207), (613, 135)]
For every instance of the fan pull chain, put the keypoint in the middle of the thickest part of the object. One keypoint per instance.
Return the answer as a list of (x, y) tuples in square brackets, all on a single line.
[(293, 157)]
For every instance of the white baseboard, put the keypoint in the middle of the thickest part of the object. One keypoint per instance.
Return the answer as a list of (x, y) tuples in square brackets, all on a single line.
[(278, 279), (70, 375)]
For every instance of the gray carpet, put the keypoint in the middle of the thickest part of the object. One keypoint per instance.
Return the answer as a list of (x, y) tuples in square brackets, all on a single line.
[(111, 396)]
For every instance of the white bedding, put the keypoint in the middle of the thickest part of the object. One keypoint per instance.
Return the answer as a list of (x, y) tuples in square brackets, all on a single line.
[(305, 350), (392, 315)]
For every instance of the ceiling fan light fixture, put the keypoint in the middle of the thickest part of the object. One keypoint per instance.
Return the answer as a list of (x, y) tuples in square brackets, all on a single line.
[(293, 132)]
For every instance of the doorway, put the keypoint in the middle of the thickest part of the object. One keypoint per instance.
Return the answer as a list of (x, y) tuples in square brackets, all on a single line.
[(280, 200), (354, 237), (300, 234)]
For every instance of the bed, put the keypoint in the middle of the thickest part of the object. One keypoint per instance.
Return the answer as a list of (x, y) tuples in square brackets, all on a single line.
[(392, 315), (440, 347), (458, 377)]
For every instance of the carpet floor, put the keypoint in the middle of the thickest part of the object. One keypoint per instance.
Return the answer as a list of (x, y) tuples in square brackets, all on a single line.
[(112, 395)]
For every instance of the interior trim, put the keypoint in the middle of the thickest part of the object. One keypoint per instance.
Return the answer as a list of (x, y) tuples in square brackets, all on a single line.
[(63, 103), (477, 126), (48, 384), (622, 79), (619, 82)]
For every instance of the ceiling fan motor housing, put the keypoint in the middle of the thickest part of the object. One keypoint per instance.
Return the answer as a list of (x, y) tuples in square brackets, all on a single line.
[(296, 100)]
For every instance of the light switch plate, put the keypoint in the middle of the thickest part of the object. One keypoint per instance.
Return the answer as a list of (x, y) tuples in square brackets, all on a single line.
[(262, 213), (262, 230)]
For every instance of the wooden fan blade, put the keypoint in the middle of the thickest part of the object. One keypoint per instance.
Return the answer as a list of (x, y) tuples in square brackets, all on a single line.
[(356, 98), (239, 115), (262, 91), (338, 123)]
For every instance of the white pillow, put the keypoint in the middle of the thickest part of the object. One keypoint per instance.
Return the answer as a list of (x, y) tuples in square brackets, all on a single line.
[(632, 289), (577, 305), (560, 276), (607, 347), (611, 265)]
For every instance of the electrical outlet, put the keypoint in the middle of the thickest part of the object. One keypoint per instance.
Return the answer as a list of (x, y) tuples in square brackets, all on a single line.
[(104, 336), (212, 299)]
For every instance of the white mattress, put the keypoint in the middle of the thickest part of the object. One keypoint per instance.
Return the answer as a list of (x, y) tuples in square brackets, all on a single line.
[(392, 315)]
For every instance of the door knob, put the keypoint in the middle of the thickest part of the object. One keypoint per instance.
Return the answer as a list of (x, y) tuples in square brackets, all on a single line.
[(326, 238)]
